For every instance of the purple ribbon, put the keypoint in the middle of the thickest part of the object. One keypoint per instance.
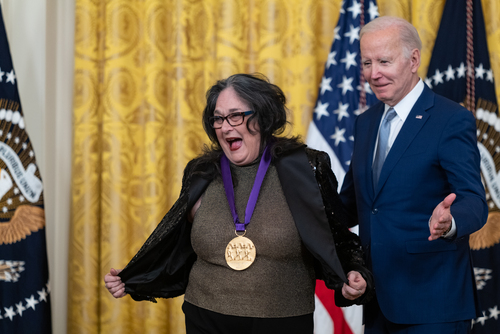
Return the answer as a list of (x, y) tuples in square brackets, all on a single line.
[(265, 161)]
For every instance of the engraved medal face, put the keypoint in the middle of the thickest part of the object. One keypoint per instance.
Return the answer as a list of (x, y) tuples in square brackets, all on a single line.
[(240, 253)]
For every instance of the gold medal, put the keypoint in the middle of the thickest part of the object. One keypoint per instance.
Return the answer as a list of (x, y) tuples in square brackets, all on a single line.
[(240, 253)]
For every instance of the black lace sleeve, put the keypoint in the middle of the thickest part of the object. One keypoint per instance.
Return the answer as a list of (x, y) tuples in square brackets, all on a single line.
[(348, 244)]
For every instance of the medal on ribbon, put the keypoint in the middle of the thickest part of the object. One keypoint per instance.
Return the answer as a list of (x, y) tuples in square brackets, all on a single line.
[(240, 251)]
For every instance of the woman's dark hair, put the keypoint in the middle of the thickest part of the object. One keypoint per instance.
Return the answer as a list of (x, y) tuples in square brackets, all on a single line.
[(268, 103), (265, 99)]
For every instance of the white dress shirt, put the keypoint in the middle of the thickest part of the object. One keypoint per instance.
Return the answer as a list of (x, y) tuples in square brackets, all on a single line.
[(402, 109)]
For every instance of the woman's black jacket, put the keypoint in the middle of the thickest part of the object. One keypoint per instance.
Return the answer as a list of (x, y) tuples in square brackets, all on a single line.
[(162, 265)]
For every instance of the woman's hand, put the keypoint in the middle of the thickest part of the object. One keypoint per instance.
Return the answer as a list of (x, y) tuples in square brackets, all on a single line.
[(356, 287), (114, 283)]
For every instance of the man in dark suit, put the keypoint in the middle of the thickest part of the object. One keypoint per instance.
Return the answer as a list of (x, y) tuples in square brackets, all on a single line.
[(414, 186)]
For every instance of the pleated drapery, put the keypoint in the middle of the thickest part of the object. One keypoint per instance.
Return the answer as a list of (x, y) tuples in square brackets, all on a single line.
[(142, 68)]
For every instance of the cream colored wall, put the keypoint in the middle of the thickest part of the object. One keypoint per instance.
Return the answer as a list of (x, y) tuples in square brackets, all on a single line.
[(40, 34)]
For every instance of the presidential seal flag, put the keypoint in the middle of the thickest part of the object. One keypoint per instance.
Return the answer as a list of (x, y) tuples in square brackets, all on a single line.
[(460, 70), (24, 288), (342, 96)]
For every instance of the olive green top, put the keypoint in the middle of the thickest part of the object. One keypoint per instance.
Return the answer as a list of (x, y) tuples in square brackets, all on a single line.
[(281, 281)]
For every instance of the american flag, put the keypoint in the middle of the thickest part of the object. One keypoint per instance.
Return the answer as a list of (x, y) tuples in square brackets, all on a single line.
[(331, 130), (447, 76), (338, 104)]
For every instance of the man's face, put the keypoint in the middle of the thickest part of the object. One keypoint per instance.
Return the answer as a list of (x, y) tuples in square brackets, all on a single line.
[(390, 74)]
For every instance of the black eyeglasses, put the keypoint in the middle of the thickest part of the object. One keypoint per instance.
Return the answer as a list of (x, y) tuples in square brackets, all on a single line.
[(233, 119)]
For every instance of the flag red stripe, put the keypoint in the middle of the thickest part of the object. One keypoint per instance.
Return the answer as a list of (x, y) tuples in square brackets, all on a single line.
[(326, 296)]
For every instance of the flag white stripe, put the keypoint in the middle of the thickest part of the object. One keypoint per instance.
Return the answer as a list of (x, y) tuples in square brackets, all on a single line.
[(323, 323), (316, 141)]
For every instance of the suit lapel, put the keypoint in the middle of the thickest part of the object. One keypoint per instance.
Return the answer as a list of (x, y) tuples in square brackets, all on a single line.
[(414, 122), (371, 131)]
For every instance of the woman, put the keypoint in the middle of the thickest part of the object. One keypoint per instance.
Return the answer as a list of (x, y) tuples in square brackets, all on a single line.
[(257, 221)]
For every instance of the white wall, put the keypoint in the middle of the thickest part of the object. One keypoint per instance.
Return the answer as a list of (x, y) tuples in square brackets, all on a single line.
[(40, 34)]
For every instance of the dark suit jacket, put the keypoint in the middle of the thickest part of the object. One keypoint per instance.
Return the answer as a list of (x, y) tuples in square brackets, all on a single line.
[(435, 154), (161, 267)]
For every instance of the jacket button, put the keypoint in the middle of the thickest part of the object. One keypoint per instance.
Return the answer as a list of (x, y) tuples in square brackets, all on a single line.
[(374, 211)]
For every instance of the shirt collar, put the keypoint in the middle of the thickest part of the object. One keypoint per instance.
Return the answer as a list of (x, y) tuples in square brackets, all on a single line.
[(404, 106)]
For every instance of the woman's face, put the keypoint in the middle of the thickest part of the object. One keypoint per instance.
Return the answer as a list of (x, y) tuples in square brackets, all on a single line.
[(240, 146)]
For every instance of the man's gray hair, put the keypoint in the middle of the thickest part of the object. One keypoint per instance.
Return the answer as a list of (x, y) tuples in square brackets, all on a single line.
[(407, 32)]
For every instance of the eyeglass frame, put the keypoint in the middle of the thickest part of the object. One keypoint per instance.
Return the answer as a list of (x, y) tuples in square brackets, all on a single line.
[(212, 119)]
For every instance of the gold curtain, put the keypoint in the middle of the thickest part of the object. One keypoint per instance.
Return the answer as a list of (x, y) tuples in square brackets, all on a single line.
[(141, 71)]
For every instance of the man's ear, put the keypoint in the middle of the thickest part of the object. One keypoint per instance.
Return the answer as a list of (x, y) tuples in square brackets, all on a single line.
[(415, 60)]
